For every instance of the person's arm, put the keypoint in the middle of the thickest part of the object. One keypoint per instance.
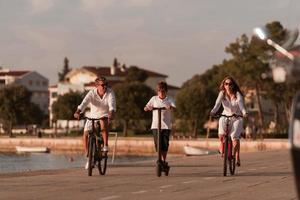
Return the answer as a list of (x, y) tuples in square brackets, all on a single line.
[(171, 104), (83, 105), (149, 105), (217, 104), (241, 105)]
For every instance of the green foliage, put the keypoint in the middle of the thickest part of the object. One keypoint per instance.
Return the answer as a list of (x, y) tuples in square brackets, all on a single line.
[(136, 74), (195, 99), (131, 98), (16, 108), (66, 105)]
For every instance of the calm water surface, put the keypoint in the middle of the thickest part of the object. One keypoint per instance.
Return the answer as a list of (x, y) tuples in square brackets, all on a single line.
[(11, 162)]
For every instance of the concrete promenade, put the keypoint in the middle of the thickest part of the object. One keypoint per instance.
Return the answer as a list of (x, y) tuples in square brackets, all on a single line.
[(138, 145), (264, 175)]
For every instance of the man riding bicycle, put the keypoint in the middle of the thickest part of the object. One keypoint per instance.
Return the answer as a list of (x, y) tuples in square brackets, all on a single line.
[(102, 103)]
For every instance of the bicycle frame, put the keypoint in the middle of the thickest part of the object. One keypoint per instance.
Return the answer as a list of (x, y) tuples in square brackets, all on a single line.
[(229, 158), (227, 149)]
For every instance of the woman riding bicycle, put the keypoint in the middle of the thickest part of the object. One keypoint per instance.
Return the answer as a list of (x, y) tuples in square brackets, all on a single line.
[(231, 98), (103, 105)]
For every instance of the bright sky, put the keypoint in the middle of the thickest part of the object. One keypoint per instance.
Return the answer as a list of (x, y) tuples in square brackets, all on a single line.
[(178, 38)]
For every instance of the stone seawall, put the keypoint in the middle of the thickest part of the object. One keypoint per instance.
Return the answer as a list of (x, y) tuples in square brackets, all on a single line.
[(137, 146)]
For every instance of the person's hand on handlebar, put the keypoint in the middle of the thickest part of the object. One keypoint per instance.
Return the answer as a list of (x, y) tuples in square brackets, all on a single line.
[(168, 106), (111, 115), (77, 114), (148, 108)]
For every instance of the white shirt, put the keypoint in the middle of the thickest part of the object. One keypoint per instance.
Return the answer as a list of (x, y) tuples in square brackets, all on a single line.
[(234, 106), (100, 107), (155, 101)]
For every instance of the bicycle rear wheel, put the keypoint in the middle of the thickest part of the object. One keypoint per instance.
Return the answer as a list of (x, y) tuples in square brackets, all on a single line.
[(225, 156), (102, 162), (91, 151)]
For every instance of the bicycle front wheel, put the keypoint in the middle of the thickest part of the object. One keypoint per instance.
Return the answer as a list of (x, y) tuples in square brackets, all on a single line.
[(102, 163), (231, 159), (91, 151)]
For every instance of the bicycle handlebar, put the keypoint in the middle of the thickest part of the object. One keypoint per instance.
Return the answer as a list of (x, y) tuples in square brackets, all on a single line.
[(93, 119), (227, 116), (159, 108)]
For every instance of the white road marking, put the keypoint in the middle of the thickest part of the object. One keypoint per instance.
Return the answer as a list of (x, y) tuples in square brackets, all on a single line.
[(165, 186), (110, 197), (252, 169), (208, 178), (263, 167), (139, 192), (187, 182)]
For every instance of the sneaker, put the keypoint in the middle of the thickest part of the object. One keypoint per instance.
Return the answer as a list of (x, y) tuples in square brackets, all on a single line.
[(166, 166), (86, 165), (105, 148)]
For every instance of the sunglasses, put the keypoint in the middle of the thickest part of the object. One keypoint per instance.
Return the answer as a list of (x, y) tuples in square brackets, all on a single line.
[(102, 85), (227, 83)]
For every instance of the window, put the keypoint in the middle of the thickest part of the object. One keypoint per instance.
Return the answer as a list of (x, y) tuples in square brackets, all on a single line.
[(54, 94), (30, 82)]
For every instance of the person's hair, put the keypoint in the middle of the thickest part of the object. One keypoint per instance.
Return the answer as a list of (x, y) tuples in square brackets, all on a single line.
[(101, 78), (162, 86), (234, 87)]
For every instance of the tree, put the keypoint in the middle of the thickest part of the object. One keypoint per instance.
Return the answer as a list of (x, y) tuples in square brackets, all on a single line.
[(65, 106), (66, 69), (250, 59), (195, 99), (136, 74), (131, 98), (116, 63), (16, 108)]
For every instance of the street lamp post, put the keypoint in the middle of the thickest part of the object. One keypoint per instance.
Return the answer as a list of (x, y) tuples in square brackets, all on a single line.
[(294, 129), (279, 72), (261, 33)]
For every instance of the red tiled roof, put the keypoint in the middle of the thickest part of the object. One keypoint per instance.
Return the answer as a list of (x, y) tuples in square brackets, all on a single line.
[(13, 73), (110, 82), (151, 73), (53, 86), (105, 71), (172, 87)]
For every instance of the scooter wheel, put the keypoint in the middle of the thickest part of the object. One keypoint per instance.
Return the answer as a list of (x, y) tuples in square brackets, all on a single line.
[(167, 171)]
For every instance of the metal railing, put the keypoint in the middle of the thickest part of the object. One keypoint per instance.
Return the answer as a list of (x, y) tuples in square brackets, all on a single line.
[(115, 145)]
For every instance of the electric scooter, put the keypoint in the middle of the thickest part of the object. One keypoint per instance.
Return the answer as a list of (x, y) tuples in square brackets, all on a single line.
[(161, 166)]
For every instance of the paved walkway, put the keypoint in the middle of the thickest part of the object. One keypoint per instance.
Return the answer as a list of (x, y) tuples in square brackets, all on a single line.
[(263, 175)]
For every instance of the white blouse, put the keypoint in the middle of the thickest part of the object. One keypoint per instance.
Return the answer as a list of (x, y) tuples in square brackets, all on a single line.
[(100, 107), (234, 106)]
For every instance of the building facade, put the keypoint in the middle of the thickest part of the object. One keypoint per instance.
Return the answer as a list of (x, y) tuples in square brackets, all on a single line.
[(82, 79), (36, 83)]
